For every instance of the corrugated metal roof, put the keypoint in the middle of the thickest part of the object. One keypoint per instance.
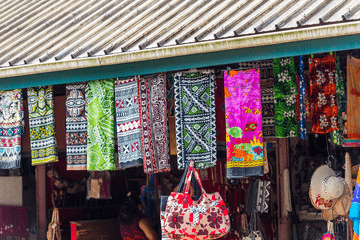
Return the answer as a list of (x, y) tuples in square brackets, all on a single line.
[(45, 31)]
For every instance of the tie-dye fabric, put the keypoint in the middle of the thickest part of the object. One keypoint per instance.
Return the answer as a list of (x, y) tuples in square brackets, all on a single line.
[(101, 125), (340, 97), (195, 119), (152, 108), (244, 141), (302, 99), (42, 125), (354, 213), (285, 91), (76, 126), (128, 123), (11, 128), (323, 106)]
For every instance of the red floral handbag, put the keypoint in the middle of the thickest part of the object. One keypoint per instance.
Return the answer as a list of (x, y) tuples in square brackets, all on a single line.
[(205, 218)]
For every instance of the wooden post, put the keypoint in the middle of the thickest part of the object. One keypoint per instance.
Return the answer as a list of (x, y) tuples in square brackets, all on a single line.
[(284, 222), (41, 201)]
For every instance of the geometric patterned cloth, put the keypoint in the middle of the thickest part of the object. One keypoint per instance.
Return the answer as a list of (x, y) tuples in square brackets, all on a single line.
[(11, 128), (323, 102), (128, 123), (340, 97), (285, 91), (302, 99), (42, 125), (244, 141), (76, 126), (152, 108), (268, 111), (195, 119), (101, 125)]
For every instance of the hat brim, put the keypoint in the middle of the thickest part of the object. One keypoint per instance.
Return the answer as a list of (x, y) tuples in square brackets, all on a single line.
[(318, 198), (341, 207)]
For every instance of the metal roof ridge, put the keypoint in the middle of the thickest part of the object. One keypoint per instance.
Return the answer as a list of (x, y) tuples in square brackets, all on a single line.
[(263, 39)]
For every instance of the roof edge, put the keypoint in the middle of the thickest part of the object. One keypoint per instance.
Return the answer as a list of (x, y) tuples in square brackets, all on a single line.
[(319, 32)]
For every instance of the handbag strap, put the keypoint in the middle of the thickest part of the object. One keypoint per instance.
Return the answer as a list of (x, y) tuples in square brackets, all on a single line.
[(192, 171), (182, 181)]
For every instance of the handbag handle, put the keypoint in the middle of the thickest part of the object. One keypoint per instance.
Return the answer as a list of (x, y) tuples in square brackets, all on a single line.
[(192, 171)]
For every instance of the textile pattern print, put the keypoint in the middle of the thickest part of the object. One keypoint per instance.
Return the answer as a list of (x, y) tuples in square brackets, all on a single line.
[(323, 103), (354, 213), (195, 119), (244, 140), (11, 128), (76, 126), (101, 126), (128, 123), (285, 91), (302, 99), (42, 125), (340, 97), (152, 108), (268, 111)]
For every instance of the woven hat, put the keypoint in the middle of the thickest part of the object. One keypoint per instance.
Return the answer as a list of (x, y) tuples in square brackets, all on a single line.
[(325, 188), (341, 207)]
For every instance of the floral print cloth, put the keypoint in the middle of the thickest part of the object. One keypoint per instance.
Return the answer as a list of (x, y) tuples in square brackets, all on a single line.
[(201, 219), (152, 108), (244, 141), (340, 97), (353, 98), (101, 125), (76, 126), (11, 128), (128, 123), (323, 106), (302, 99), (42, 125), (285, 91), (195, 118)]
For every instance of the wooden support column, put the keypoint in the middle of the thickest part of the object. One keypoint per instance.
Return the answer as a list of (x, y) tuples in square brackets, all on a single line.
[(284, 221), (41, 201)]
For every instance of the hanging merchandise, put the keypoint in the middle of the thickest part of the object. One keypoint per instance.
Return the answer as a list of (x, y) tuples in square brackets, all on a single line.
[(195, 118), (268, 111), (128, 123), (354, 213), (263, 196), (98, 185), (53, 232), (244, 141), (330, 233), (42, 125), (353, 103), (285, 91), (340, 97), (153, 120), (206, 218), (302, 100), (11, 128), (101, 125), (323, 104), (76, 126)]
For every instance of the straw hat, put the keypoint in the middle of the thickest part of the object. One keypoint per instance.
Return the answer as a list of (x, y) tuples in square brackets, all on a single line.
[(325, 188), (341, 207)]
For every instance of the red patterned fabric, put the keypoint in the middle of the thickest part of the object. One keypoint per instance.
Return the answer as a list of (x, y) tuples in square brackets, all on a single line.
[(132, 231)]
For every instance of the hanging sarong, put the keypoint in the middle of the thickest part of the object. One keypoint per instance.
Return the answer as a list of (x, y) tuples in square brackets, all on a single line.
[(354, 213), (128, 123), (244, 141), (170, 94), (353, 98), (42, 125), (76, 126), (152, 108), (101, 126), (285, 91), (195, 119), (268, 111), (11, 128), (323, 106), (302, 100), (340, 97)]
